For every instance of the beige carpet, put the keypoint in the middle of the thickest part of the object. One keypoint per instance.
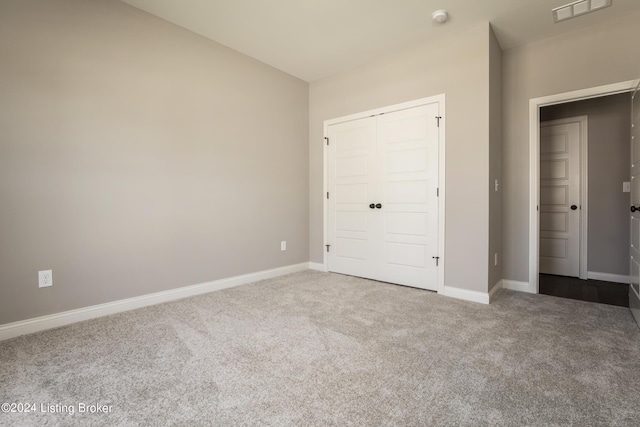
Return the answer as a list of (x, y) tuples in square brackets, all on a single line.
[(324, 349)]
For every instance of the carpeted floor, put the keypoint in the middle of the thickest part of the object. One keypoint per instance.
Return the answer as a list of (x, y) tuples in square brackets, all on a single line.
[(323, 349)]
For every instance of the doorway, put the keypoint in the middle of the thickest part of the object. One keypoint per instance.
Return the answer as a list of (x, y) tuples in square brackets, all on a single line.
[(604, 223)]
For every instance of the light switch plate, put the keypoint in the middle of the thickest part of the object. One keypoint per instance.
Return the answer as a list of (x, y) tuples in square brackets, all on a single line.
[(626, 187)]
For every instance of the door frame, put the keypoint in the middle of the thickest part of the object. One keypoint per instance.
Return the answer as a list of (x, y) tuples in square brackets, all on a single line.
[(584, 188), (440, 99), (534, 162)]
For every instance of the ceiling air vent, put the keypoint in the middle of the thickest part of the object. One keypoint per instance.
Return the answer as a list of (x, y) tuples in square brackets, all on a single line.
[(578, 8)]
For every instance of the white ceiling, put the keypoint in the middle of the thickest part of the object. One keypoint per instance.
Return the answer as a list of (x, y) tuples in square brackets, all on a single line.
[(311, 39)]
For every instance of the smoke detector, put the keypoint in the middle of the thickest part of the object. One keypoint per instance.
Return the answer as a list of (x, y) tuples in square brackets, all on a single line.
[(439, 16)]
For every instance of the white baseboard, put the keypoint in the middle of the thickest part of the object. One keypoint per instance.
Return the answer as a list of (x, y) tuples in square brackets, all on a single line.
[(514, 285), (317, 266), (465, 294), (23, 327), (608, 277)]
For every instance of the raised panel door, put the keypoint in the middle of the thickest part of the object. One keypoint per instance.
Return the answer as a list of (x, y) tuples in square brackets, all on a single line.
[(408, 174), (560, 198), (383, 204), (351, 182)]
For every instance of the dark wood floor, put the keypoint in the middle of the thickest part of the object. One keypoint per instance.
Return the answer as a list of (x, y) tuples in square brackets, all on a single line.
[(585, 290)]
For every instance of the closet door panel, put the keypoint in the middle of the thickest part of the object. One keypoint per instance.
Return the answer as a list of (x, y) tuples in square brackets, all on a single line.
[(351, 182), (407, 173)]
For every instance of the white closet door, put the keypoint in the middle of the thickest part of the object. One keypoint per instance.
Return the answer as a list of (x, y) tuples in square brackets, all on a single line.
[(408, 173), (351, 174), (383, 206)]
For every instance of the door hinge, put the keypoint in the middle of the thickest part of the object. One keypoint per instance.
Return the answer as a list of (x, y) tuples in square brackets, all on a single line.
[(327, 194), (328, 246), (326, 139), (437, 258), (438, 192), (438, 119)]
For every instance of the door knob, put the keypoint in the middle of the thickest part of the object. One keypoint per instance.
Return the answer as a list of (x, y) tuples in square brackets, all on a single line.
[(378, 205), (633, 208), (372, 206), (574, 207)]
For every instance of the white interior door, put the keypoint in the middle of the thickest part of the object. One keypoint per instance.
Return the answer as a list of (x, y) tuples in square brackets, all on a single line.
[(408, 170), (560, 197), (352, 182), (634, 288), (383, 206)]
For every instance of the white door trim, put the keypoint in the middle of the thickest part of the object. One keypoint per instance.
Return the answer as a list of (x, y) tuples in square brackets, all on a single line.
[(584, 185), (534, 161), (440, 99)]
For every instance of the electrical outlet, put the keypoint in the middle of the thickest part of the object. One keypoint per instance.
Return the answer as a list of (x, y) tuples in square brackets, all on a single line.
[(45, 278), (283, 245)]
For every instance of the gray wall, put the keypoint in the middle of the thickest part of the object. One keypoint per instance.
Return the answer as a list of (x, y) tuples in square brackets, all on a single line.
[(458, 67), (602, 54), (609, 134), (137, 157), (495, 160)]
